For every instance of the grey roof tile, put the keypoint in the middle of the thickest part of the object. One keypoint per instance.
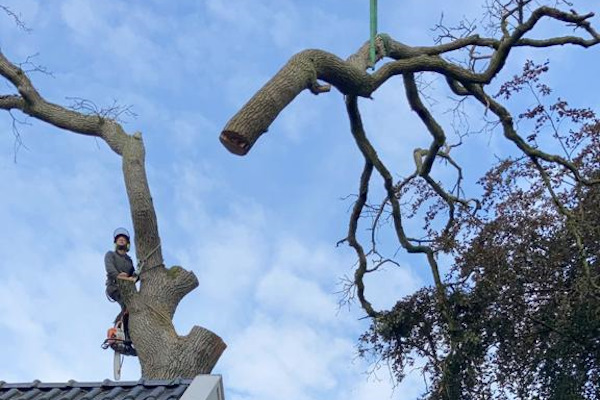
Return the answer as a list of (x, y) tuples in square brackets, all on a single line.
[(144, 389)]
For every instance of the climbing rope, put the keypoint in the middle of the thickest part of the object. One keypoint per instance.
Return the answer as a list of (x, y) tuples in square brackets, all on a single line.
[(373, 31), (143, 260), (162, 315), (140, 266)]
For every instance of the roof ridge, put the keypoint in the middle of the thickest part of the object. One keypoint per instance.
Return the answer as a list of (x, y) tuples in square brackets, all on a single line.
[(142, 389), (106, 382)]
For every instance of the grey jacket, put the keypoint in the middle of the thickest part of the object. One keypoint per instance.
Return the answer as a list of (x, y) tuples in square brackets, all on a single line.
[(116, 263)]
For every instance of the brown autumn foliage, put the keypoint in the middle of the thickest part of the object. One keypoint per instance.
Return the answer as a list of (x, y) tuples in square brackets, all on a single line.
[(524, 291)]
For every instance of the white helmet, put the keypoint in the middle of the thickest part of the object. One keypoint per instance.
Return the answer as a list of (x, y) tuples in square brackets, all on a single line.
[(120, 232)]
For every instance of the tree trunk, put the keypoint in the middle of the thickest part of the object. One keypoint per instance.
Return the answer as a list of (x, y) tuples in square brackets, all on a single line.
[(162, 353)]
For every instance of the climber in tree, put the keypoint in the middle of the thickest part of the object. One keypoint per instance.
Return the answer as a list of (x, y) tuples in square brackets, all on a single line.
[(118, 266)]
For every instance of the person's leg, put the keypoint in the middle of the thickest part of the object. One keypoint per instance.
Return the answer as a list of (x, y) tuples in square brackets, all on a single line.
[(114, 294)]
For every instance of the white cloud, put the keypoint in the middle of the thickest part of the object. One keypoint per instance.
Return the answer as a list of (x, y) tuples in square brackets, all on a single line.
[(127, 35), (303, 116), (295, 298), (276, 19), (307, 258), (83, 17), (53, 318), (191, 131), (228, 255), (271, 361)]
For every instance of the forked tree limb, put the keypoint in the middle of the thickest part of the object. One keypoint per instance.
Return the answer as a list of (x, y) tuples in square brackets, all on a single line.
[(305, 69), (371, 157), (434, 128), (30, 102)]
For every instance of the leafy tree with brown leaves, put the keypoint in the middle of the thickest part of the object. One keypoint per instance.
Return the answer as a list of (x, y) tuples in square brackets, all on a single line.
[(518, 313)]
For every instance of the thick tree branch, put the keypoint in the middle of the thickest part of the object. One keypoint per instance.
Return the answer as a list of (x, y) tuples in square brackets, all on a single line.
[(439, 137), (166, 287), (301, 72), (211, 348), (362, 269), (11, 102), (128, 291), (304, 70), (559, 41), (34, 105), (143, 214)]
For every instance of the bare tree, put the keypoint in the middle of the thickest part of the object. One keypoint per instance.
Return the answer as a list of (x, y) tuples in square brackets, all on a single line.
[(508, 25), (163, 354)]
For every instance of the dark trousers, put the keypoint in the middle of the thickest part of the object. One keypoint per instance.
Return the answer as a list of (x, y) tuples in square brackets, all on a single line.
[(113, 293)]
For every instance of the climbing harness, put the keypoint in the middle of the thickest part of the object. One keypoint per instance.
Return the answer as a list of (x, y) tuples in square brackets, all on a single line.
[(373, 31)]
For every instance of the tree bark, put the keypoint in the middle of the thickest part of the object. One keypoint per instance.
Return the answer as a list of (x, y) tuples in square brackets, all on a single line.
[(162, 353)]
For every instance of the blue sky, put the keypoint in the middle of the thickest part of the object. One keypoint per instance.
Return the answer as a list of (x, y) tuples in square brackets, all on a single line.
[(258, 231)]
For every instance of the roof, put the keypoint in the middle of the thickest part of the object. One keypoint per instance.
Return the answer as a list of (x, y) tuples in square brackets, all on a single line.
[(144, 389)]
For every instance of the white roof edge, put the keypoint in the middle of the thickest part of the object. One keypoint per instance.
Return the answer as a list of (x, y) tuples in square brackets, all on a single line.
[(205, 387)]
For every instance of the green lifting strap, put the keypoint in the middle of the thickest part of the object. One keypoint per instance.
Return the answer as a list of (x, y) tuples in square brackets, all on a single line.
[(373, 30)]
